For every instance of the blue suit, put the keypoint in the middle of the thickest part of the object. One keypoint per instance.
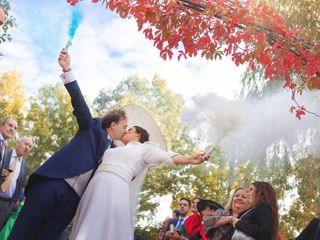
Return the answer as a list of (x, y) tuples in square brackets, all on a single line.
[(50, 202)]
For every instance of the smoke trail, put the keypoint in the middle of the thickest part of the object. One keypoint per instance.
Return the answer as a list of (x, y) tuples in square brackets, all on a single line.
[(257, 130), (76, 18)]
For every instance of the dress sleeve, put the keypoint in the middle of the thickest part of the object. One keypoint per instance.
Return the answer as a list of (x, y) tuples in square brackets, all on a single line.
[(210, 221), (154, 155)]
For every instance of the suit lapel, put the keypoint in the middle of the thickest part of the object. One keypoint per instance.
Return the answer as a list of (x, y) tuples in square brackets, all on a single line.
[(7, 158)]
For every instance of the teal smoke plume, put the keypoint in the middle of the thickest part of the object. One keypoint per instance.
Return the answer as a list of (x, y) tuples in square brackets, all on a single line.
[(76, 19)]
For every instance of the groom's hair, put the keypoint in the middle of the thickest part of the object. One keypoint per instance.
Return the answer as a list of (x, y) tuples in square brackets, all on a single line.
[(144, 135), (112, 116)]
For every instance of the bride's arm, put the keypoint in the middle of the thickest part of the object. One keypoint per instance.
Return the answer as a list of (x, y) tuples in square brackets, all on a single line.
[(194, 159)]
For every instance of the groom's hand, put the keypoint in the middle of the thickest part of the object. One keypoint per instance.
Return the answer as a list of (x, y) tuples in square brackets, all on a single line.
[(64, 61)]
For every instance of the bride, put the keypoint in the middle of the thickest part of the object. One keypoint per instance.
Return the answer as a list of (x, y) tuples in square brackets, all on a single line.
[(107, 207)]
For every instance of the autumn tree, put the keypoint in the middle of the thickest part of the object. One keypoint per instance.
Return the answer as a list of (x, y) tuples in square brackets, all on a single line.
[(12, 96), (253, 82), (249, 31)]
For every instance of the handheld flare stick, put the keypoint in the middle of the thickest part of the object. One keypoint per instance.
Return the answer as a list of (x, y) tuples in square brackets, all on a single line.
[(69, 43), (210, 151)]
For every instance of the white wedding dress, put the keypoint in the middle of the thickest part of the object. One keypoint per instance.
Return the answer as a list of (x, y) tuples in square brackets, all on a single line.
[(107, 208)]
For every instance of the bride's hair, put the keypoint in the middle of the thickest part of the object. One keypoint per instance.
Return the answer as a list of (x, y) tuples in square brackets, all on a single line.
[(144, 135)]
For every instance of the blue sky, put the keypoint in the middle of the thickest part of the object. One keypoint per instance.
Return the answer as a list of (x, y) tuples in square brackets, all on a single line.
[(105, 50)]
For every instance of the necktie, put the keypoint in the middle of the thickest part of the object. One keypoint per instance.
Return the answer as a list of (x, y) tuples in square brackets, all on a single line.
[(179, 223), (6, 184)]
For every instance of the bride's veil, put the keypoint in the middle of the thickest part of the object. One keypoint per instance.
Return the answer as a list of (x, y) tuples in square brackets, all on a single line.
[(138, 116)]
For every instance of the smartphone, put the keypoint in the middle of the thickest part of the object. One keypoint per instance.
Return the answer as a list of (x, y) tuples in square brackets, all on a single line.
[(171, 227), (210, 151)]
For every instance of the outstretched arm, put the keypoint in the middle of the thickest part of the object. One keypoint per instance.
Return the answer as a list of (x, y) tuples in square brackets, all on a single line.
[(194, 159), (81, 110)]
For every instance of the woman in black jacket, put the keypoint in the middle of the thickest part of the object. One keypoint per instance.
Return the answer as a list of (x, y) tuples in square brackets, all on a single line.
[(261, 221)]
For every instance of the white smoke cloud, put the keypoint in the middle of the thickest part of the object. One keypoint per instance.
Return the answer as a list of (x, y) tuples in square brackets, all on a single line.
[(255, 130)]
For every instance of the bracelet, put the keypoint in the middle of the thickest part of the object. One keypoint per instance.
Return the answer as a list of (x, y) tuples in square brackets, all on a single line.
[(66, 70)]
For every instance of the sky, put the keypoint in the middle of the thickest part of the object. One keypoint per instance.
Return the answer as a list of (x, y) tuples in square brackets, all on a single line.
[(105, 50)]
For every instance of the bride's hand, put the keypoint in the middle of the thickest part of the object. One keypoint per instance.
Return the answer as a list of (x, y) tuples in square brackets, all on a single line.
[(198, 158)]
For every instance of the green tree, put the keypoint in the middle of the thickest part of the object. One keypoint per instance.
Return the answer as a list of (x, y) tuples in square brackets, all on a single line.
[(50, 122), (305, 206)]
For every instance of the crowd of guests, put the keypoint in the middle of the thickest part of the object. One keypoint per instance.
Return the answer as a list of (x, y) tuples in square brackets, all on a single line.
[(250, 214)]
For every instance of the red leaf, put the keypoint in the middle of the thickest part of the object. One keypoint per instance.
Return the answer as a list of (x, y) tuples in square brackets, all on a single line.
[(292, 109)]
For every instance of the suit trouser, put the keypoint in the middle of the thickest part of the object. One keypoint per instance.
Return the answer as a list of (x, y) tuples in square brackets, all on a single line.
[(50, 206)]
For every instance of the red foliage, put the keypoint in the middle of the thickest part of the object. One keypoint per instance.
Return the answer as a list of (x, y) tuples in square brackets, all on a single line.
[(249, 32)]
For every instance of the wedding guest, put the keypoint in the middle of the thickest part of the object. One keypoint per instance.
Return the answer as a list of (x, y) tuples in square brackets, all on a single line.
[(218, 225), (261, 220)]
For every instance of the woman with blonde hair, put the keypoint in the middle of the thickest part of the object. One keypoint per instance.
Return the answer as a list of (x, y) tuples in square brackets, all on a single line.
[(218, 226), (261, 221)]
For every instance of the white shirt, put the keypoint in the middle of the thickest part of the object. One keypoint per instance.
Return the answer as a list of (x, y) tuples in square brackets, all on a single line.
[(67, 77), (12, 188)]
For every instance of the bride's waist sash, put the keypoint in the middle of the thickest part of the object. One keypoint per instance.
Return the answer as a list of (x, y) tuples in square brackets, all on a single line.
[(118, 169)]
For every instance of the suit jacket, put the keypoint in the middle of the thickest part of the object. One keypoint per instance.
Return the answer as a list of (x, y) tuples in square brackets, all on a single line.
[(3, 160), (5, 154), (85, 149), (21, 178)]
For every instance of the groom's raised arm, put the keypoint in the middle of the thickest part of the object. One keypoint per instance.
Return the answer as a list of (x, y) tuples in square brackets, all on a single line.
[(81, 110)]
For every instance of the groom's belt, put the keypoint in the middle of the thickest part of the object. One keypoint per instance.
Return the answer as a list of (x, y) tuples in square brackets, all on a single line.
[(118, 169)]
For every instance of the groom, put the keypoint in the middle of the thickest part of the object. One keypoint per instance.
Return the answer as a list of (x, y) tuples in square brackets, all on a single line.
[(54, 189)]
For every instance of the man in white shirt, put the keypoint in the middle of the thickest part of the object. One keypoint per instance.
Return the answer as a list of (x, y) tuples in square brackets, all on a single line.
[(15, 172)]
